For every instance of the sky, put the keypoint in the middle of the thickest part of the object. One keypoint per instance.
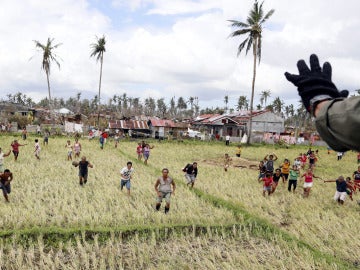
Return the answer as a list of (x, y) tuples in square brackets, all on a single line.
[(173, 48)]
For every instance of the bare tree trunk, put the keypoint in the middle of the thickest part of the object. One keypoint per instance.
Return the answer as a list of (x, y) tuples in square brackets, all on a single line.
[(252, 92), (49, 92), (101, 65)]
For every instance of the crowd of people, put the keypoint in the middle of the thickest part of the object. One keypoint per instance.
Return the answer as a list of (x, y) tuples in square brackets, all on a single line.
[(270, 174), (291, 174)]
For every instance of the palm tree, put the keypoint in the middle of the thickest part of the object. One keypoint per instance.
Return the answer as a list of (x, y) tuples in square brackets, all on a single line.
[(252, 27), (264, 96), (48, 57), (226, 101), (278, 105), (98, 50), (243, 103)]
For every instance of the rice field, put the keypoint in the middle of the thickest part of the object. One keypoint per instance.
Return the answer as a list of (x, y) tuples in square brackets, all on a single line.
[(52, 222)]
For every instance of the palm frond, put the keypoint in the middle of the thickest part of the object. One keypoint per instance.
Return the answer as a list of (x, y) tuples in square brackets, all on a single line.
[(235, 23), (240, 32), (248, 47), (267, 16), (242, 45)]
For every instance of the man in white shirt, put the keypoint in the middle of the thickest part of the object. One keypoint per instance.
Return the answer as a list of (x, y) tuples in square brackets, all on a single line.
[(2, 156)]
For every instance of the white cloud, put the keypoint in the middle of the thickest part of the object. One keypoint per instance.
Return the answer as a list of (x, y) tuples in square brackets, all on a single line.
[(191, 56)]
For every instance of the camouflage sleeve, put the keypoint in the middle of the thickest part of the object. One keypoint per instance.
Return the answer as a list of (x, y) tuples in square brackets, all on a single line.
[(338, 123)]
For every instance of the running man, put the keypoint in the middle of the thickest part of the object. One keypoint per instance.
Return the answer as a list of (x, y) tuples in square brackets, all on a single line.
[(163, 190), (191, 172), (126, 176), (5, 178), (83, 170), (341, 187)]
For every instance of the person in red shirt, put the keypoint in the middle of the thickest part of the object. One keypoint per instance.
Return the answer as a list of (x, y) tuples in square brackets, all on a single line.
[(308, 183), (268, 181), (15, 148)]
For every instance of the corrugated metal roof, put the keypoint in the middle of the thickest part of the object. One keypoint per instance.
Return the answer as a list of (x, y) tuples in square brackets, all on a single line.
[(162, 123), (128, 124)]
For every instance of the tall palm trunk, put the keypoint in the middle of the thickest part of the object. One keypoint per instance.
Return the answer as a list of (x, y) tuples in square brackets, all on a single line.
[(252, 91), (49, 92), (101, 65)]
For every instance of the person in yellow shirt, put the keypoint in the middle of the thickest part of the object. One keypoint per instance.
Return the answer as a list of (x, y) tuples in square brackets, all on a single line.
[(285, 169)]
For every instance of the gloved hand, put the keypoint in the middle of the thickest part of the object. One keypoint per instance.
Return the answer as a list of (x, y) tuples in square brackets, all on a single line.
[(314, 83)]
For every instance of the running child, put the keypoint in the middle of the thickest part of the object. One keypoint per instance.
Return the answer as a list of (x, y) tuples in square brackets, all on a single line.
[(293, 177), (126, 176), (116, 139), (146, 152), (37, 149), (139, 151), (276, 177), (270, 159), (350, 187), (268, 181), (77, 148), (5, 178), (312, 160), (297, 163), (15, 148), (285, 168), (227, 162), (262, 170), (69, 148), (308, 183)]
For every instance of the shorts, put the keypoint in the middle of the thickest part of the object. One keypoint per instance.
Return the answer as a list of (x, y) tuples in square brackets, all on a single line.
[(190, 178), (286, 176), (46, 140), (238, 155), (37, 153), (16, 153), (146, 155), (69, 153), (340, 196), (308, 184), (125, 183), (164, 195), (267, 188), (83, 175), (6, 189)]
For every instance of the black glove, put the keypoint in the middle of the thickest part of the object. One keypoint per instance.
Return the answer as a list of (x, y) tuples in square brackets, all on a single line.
[(314, 83)]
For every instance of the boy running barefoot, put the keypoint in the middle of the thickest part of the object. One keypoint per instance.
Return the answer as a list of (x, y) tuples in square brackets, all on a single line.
[(126, 176), (69, 148), (83, 169), (227, 162), (163, 190), (5, 178)]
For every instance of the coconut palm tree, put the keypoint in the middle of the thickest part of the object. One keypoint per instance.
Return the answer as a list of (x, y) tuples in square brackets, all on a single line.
[(253, 29), (49, 56), (98, 49), (264, 95), (226, 101)]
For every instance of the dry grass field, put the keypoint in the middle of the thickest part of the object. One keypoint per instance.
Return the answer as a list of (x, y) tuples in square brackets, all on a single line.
[(52, 222)]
